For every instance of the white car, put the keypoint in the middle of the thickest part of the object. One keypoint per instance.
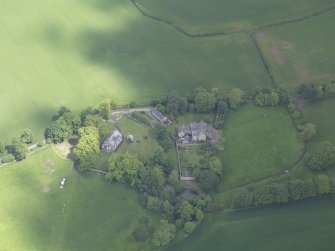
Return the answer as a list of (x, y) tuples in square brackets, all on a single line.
[(62, 183)]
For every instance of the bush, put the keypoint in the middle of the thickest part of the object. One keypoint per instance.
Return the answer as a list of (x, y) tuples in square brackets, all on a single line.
[(322, 157), (7, 158), (143, 118)]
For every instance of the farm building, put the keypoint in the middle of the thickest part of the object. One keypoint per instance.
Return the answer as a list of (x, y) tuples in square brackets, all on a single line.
[(158, 115), (112, 142), (196, 130)]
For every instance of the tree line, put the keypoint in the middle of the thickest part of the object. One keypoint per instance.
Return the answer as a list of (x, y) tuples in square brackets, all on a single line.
[(18, 148)]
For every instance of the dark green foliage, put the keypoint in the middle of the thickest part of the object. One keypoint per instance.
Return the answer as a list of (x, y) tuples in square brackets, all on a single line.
[(219, 121), (235, 98), (18, 149), (123, 168), (186, 212), (144, 230), (284, 96), (97, 121), (6, 158), (274, 191), (2, 148), (189, 227), (307, 131), (164, 234), (296, 189), (176, 105), (105, 109), (161, 134), (88, 147), (59, 131), (143, 118), (27, 136), (204, 100), (267, 99), (88, 111), (215, 166), (208, 181), (322, 184), (322, 157), (73, 121), (62, 110), (309, 91), (242, 198), (160, 158), (150, 180)]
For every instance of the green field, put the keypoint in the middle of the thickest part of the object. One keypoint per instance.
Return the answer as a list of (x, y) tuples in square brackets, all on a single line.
[(57, 53), (213, 16), (257, 146), (144, 144), (320, 113), (305, 226), (97, 215), (302, 52)]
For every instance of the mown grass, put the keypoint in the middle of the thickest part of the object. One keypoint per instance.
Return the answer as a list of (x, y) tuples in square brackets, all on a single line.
[(260, 142), (97, 215), (56, 53), (302, 52), (227, 16), (144, 143), (304, 226)]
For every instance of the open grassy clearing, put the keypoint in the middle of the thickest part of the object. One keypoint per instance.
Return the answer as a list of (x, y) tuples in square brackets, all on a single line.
[(144, 144), (97, 215), (57, 53), (319, 112), (227, 16), (260, 142), (304, 226), (301, 52)]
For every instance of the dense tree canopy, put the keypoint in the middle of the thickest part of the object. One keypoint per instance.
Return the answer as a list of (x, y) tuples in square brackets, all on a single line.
[(123, 168), (164, 234), (322, 157), (97, 121), (105, 109), (27, 136), (72, 120), (59, 131), (204, 100), (307, 131), (18, 149), (235, 98), (161, 133), (208, 180)]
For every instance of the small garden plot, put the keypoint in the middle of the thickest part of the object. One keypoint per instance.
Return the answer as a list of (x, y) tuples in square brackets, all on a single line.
[(190, 158), (143, 144)]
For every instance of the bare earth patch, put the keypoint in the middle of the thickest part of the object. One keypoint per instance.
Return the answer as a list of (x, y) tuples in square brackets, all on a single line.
[(65, 149), (46, 189), (49, 166), (277, 56)]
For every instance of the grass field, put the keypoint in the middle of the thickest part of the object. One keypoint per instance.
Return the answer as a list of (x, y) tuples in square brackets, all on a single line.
[(258, 146), (305, 226), (144, 144), (57, 53), (227, 16), (97, 215), (320, 113), (301, 52)]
